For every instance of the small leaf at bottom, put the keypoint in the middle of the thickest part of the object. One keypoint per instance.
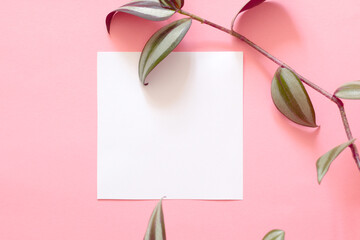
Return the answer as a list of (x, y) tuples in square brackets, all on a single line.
[(156, 227), (275, 235), (324, 162)]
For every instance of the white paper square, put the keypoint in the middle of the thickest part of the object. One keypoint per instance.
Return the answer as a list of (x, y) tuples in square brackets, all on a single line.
[(180, 137)]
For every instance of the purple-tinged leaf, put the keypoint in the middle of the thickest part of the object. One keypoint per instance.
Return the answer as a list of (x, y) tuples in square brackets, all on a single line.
[(172, 4), (324, 162), (156, 226), (349, 90), (247, 6), (148, 9), (275, 235), (291, 99), (160, 46)]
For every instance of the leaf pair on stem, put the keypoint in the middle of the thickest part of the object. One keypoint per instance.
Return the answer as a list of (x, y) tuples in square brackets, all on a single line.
[(291, 99)]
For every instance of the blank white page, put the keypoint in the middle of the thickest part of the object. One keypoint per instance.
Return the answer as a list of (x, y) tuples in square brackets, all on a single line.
[(180, 137)]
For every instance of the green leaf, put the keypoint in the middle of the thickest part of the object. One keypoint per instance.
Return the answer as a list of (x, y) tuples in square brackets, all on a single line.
[(172, 4), (275, 235), (250, 4), (324, 162), (160, 46), (349, 90), (291, 99), (148, 9), (156, 227)]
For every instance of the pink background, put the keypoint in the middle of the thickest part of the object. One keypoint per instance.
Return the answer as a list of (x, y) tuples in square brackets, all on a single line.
[(48, 123)]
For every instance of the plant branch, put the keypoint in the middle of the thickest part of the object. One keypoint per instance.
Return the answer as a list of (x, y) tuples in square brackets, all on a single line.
[(353, 147), (277, 61)]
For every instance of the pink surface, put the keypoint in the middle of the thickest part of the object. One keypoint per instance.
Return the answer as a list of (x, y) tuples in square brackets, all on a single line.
[(48, 123)]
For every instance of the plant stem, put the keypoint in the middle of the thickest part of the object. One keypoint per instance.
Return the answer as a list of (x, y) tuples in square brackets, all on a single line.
[(277, 61), (353, 147)]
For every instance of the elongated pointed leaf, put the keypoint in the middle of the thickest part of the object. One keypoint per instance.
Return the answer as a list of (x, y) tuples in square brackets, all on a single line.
[(291, 99), (247, 6), (275, 235), (148, 9), (172, 4), (156, 227), (349, 90), (324, 162), (160, 46)]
